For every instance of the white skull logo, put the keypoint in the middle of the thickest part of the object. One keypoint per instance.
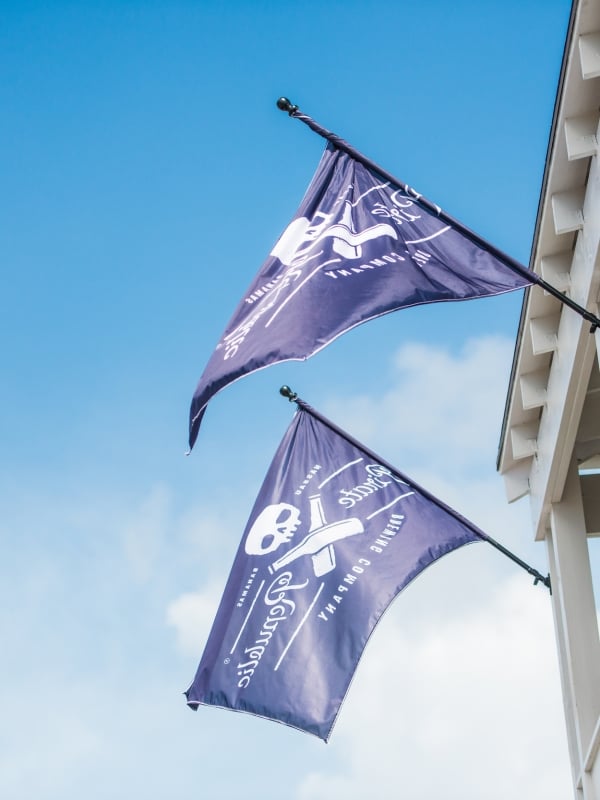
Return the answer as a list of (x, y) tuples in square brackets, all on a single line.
[(274, 526)]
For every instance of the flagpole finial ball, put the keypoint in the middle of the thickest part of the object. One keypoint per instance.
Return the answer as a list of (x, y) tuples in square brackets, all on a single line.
[(285, 391), (283, 104)]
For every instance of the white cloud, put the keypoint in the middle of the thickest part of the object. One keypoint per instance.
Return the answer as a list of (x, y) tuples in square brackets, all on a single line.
[(460, 707), (211, 535), (192, 614), (144, 533), (444, 409), (38, 757)]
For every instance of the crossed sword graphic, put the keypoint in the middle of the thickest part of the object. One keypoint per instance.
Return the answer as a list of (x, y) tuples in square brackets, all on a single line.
[(319, 541)]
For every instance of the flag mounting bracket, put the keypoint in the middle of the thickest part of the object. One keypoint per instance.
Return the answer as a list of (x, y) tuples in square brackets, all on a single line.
[(292, 396), (286, 105)]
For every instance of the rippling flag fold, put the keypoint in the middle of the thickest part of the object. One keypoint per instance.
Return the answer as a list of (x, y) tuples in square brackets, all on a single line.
[(335, 534), (359, 247)]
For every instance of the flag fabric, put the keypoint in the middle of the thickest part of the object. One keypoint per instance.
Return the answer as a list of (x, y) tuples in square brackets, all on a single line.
[(334, 536), (358, 248)]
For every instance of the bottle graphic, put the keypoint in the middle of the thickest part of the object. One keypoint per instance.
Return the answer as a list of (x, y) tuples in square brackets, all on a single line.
[(319, 541)]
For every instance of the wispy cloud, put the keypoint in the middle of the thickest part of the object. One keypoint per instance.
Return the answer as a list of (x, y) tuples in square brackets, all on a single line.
[(443, 408), (460, 707), (192, 613)]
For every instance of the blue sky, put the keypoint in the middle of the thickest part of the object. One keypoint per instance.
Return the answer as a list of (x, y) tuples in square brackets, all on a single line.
[(146, 174)]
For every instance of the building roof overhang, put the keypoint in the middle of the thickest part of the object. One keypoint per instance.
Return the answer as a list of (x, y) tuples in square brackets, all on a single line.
[(554, 355)]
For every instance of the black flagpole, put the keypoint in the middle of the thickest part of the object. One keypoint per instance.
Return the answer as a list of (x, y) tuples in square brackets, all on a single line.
[(285, 391), (285, 105)]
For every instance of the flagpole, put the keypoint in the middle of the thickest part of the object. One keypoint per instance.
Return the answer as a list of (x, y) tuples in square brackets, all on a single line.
[(285, 105), (285, 391)]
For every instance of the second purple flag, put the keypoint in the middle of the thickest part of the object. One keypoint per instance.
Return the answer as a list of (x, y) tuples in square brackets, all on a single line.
[(334, 536), (358, 247)]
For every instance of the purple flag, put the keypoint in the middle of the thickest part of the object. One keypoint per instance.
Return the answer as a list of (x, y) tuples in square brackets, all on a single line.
[(335, 534), (358, 247)]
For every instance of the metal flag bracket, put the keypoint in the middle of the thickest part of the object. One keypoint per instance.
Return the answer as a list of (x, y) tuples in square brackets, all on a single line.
[(292, 396)]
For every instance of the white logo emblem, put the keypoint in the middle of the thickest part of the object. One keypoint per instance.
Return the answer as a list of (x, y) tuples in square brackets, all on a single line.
[(277, 523), (302, 235), (274, 526)]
